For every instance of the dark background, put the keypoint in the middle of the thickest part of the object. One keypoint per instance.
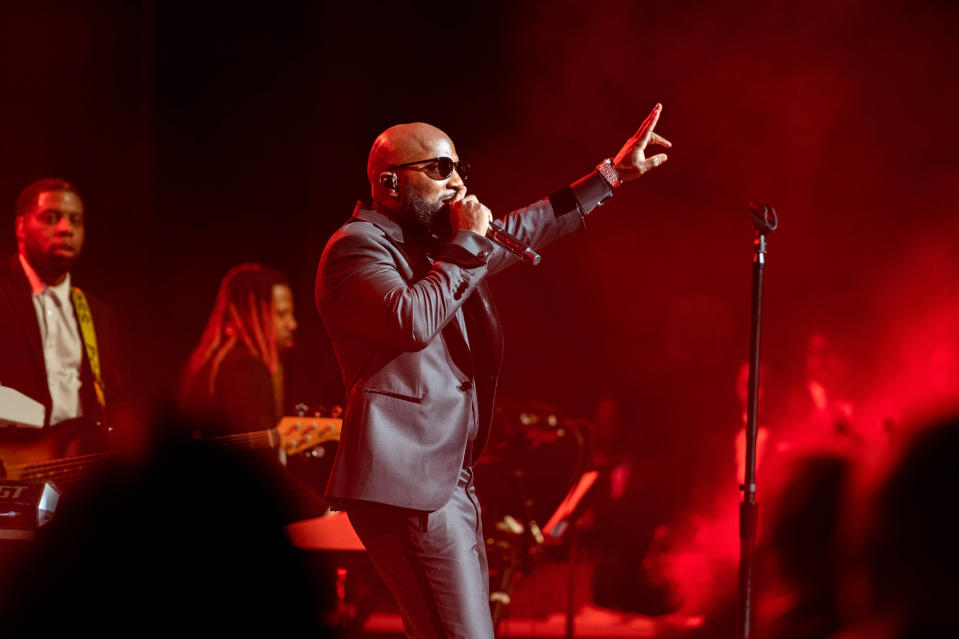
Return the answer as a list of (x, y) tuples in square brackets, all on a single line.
[(202, 135)]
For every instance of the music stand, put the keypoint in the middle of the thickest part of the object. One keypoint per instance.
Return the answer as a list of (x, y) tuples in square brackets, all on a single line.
[(564, 514), (560, 525)]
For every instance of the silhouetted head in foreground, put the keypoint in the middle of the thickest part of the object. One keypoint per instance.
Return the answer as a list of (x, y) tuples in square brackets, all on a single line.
[(800, 551), (913, 549), (191, 540)]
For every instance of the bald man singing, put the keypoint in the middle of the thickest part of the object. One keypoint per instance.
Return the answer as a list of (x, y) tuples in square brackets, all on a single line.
[(401, 290)]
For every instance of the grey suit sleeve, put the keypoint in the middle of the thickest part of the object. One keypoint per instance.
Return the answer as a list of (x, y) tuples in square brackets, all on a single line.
[(363, 292), (552, 217)]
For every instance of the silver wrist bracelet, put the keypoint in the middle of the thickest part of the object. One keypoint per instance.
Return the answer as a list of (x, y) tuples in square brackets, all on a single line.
[(609, 173)]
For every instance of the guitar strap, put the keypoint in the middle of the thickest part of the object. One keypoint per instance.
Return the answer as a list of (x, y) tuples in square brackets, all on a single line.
[(85, 319)]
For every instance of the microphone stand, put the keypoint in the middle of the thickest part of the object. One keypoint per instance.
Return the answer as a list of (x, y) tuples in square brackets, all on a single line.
[(765, 222)]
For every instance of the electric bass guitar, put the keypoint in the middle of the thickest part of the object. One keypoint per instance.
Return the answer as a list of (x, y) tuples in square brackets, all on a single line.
[(39, 460)]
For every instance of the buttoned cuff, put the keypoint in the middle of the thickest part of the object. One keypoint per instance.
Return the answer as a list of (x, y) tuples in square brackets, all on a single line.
[(591, 191), (467, 249)]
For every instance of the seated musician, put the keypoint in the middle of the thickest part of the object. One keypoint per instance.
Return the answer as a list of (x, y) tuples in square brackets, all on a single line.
[(235, 374), (233, 381), (58, 343)]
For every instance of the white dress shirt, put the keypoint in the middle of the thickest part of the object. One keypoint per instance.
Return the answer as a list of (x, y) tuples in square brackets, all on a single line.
[(62, 346)]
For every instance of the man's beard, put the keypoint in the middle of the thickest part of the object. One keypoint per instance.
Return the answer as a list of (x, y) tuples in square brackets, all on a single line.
[(421, 212), (49, 267)]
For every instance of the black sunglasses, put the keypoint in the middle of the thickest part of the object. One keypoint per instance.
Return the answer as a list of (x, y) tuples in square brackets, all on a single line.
[(438, 168)]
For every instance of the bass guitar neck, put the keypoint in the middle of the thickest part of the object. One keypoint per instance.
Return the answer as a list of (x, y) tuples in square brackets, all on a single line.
[(41, 459)]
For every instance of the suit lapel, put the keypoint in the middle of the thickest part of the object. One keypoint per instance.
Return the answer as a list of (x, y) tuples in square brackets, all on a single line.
[(416, 250), (485, 332), (453, 334)]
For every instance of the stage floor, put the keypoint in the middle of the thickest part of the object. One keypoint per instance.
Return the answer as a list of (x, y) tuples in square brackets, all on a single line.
[(590, 621), (538, 609)]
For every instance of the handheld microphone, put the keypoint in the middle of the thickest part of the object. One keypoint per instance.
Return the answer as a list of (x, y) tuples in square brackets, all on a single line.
[(497, 234)]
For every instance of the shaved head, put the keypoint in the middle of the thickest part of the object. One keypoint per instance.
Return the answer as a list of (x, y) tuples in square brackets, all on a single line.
[(410, 193), (402, 143)]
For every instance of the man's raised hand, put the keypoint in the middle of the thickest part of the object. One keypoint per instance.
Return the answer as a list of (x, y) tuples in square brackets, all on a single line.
[(631, 161)]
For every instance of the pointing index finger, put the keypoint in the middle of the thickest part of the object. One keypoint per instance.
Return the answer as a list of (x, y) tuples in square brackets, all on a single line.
[(646, 128)]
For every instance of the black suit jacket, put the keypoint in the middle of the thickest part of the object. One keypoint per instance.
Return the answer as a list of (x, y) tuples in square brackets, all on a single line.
[(21, 353)]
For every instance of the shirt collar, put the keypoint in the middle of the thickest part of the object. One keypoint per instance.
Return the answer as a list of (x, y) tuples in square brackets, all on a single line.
[(38, 286)]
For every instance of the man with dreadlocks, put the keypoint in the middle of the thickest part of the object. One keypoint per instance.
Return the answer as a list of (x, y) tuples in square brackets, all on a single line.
[(417, 339), (235, 374)]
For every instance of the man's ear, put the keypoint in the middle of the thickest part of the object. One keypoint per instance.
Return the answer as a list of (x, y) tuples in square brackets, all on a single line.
[(390, 182), (18, 227)]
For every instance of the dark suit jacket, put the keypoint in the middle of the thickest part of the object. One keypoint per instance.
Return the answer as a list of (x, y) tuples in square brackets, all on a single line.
[(21, 354), (395, 318)]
